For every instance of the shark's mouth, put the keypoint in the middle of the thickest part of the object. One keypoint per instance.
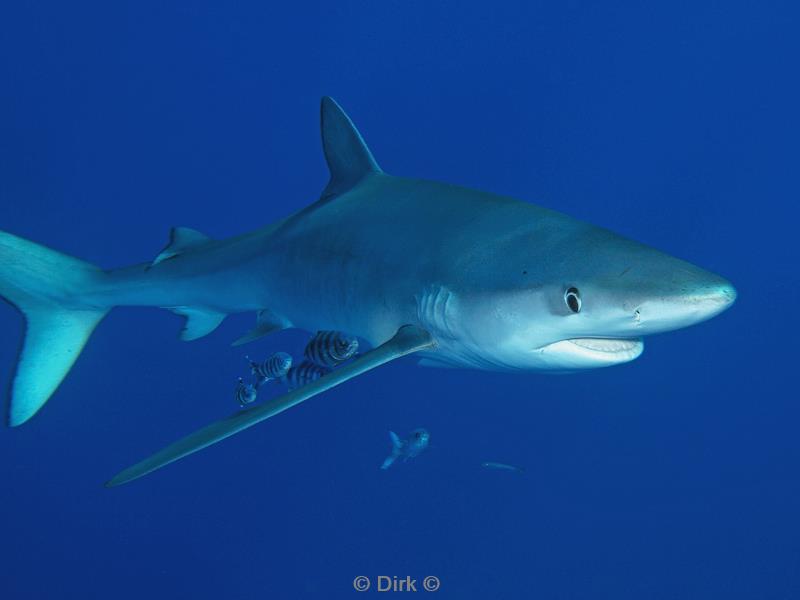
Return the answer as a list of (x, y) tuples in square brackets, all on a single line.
[(593, 352), (607, 345)]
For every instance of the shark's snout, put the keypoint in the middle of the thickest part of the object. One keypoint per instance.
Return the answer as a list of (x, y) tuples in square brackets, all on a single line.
[(715, 298), (683, 307)]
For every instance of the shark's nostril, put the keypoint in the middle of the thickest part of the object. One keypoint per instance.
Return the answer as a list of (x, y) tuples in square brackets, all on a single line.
[(637, 316)]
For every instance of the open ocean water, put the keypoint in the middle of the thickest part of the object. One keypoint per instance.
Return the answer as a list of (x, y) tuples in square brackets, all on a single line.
[(674, 476)]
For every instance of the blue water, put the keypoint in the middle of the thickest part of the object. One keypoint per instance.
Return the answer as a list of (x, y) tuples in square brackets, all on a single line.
[(675, 476)]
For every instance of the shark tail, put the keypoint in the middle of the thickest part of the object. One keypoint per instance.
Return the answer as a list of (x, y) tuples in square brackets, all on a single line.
[(47, 288)]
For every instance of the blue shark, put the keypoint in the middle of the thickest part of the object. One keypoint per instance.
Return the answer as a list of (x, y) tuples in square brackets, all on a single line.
[(460, 278)]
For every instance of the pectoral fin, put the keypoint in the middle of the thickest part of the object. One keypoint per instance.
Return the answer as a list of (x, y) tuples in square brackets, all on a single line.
[(407, 340)]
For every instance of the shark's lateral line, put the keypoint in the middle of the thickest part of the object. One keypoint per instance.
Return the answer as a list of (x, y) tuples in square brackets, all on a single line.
[(462, 278)]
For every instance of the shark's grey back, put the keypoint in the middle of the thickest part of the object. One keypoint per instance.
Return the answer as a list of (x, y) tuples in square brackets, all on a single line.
[(360, 261)]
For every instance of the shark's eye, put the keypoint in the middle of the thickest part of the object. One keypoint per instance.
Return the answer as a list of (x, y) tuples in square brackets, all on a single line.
[(573, 299)]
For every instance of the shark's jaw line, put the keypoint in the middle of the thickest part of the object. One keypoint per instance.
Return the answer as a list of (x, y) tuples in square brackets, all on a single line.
[(606, 345), (593, 352)]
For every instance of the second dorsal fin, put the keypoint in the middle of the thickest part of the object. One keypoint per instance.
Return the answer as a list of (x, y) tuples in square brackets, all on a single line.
[(181, 239), (349, 160)]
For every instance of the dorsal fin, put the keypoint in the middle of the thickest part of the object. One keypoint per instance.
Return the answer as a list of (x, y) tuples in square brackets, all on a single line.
[(180, 240), (349, 159)]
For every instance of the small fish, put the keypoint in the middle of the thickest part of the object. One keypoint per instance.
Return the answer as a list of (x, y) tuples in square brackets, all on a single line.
[(304, 373), (410, 447), (502, 467), (330, 348), (273, 367), (246, 393)]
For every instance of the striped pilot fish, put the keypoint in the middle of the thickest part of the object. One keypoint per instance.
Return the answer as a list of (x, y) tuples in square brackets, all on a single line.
[(274, 367), (330, 348), (304, 373), (246, 393)]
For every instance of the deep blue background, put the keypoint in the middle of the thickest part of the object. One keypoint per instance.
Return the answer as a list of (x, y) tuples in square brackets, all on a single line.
[(675, 476)]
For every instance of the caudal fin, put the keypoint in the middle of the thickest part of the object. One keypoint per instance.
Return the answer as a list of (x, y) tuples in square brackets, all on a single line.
[(397, 445), (47, 288), (389, 461)]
